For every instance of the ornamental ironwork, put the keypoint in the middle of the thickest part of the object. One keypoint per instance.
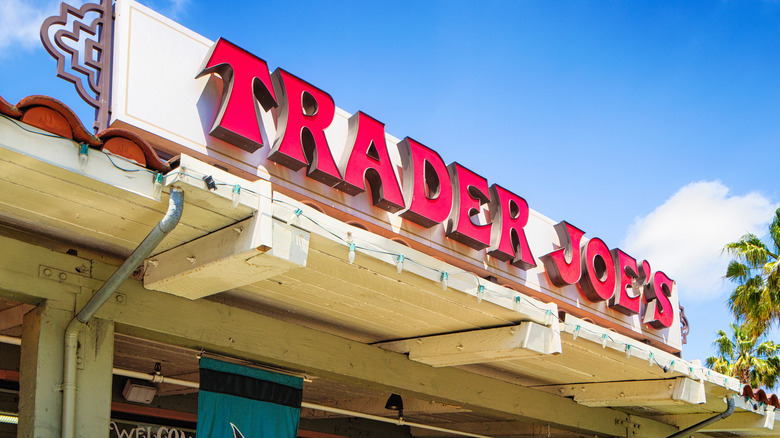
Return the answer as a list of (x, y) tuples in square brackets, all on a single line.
[(80, 40)]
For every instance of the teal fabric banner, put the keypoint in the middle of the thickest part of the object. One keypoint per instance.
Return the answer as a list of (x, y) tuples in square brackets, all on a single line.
[(236, 401)]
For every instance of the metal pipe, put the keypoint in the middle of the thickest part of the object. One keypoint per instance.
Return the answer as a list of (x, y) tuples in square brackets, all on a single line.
[(141, 252), (168, 222), (398, 422), (10, 340), (687, 431), (155, 378)]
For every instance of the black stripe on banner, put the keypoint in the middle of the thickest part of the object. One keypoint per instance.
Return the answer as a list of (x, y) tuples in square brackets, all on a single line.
[(250, 387)]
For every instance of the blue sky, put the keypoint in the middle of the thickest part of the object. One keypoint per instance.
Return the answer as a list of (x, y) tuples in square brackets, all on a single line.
[(650, 124)]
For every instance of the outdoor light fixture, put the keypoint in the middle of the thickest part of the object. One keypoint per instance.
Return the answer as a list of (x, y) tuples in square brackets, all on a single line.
[(138, 393), (210, 183), (395, 403)]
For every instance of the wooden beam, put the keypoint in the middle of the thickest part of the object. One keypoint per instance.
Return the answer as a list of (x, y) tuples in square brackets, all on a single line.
[(12, 317), (514, 429), (152, 411), (739, 422), (680, 390), (35, 274), (311, 434), (238, 333), (247, 252), (376, 406), (528, 339), (243, 334)]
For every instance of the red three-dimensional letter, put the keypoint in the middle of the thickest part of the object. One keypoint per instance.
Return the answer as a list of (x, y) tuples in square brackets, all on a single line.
[(366, 159), (598, 271), (563, 264), (304, 113), (509, 215), (470, 194), (245, 81), (659, 313), (628, 279), (426, 183)]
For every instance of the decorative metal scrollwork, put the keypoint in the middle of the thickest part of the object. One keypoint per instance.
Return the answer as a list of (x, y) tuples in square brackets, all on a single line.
[(82, 49), (684, 327)]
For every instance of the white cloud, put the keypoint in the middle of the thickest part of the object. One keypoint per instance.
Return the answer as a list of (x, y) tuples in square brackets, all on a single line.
[(178, 7), (685, 236), (173, 9), (20, 22)]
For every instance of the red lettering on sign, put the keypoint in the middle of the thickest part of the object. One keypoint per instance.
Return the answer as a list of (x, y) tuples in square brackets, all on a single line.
[(365, 159), (659, 313), (598, 281), (470, 192), (563, 264), (245, 81), (626, 299), (426, 184), (477, 216), (509, 215), (304, 113)]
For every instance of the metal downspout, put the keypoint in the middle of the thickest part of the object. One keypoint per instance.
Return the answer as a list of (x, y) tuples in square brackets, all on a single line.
[(165, 226), (685, 432)]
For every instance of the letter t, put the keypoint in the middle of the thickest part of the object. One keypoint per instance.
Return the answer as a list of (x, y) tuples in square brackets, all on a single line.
[(245, 81)]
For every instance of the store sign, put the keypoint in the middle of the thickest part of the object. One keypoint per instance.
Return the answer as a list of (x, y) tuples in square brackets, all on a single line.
[(124, 430), (431, 192), (223, 104)]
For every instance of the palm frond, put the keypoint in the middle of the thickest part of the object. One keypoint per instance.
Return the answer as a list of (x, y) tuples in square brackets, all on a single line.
[(738, 272)]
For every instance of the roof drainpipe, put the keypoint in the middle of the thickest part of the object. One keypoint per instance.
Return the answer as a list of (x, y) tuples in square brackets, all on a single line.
[(165, 226), (685, 432)]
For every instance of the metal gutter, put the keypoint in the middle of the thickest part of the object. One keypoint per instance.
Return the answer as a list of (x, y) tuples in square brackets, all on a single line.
[(165, 226), (687, 431)]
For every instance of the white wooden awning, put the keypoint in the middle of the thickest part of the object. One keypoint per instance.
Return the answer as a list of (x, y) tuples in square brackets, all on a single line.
[(297, 268)]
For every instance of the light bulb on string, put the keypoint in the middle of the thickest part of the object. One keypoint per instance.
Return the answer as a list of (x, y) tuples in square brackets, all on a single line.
[(83, 156), (294, 217), (628, 351), (518, 301), (604, 340), (236, 195), (444, 277), (158, 185), (576, 332), (480, 293), (650, 359), (400, 264), (351, 256)]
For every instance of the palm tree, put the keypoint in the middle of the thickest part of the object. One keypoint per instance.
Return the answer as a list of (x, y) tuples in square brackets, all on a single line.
[(743, 357), (756, 271)]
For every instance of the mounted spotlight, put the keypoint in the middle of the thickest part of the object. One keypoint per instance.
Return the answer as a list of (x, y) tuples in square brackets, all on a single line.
[(395, 403), (138, 393)]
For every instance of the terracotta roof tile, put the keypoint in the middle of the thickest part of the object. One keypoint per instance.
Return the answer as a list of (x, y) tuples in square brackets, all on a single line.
[(8, 109), (129, 145), (54, 116), (761, 396)]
